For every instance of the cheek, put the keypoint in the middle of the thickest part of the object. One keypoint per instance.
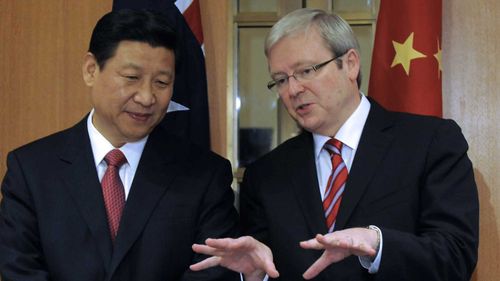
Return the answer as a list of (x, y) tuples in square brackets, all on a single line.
[(328, 94), (164, 99), (285, 99), (111, 91), (122, 91)]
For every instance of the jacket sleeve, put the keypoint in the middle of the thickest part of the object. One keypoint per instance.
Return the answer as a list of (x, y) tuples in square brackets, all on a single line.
[(21, 253), (218, 218), (444, 245), (252, 213)]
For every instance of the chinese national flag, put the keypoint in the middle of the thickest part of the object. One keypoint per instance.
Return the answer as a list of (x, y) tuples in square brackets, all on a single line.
[(406, 63)]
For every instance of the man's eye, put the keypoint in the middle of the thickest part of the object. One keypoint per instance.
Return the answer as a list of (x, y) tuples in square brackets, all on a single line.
[(305, 72), (162, 84), (280, 81), (131, 77)]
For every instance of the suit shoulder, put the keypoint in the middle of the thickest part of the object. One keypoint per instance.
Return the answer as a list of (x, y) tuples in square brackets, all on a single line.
[(381, 118), (184, 147), (45, 144), (424, 132), (421, 123), (284, 151)]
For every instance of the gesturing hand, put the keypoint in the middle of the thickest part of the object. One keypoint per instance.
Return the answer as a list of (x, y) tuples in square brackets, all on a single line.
[(339, 245), (245, 254)]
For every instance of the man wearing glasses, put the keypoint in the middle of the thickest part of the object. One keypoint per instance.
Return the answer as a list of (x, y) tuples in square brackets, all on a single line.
[(362, 193)]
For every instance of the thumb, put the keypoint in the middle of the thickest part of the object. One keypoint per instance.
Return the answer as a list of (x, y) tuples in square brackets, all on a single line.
[(270, 269)]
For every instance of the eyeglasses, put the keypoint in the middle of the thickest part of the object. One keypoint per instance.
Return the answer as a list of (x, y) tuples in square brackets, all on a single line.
[(280, 81)]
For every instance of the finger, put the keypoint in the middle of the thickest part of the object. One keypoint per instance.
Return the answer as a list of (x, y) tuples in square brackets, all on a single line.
[(330, 240), (363, 250), (210, 251), (350, 243), (230, 243), (267, 264), (312, 244), (316, 268), (218, 243), (206, 263), (260, 254), (271, 270), (216, 246), (204, 249)]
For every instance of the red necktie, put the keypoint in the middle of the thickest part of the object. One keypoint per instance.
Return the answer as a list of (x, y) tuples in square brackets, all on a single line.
[(112, 190), (336, 183)]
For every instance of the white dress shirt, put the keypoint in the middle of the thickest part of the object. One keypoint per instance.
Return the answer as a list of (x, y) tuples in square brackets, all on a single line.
[(101, 146), (349, 134)]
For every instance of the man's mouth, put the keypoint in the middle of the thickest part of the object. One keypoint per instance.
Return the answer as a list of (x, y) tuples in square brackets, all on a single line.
[(302, 106), (139, 116)]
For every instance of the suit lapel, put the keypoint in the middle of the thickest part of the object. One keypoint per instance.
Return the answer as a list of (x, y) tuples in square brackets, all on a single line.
[(372, 148), (302, 169), (81, 179), (157, 168)]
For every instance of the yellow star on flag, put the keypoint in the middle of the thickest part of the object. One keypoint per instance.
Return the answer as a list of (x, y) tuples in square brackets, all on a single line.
[(405, 53), (438, 58)]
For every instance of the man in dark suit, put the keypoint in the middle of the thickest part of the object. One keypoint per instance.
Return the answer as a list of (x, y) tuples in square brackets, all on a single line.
[(362, 193), (70, 212)]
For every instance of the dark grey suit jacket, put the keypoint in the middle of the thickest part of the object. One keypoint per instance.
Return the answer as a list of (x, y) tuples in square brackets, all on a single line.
[(410, 176), (53, 222)]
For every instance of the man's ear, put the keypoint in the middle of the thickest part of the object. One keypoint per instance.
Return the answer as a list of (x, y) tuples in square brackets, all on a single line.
[(353, 63), (90, 69)]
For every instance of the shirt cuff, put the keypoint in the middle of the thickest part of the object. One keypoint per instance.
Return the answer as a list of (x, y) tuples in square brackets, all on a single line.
[(265, 277), (366, 261)]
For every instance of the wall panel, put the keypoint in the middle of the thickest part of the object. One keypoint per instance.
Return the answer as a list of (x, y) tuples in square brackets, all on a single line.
[(41, 51), (471, 83)]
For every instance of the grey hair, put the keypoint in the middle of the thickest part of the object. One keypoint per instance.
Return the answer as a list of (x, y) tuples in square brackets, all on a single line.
[(336, 32)]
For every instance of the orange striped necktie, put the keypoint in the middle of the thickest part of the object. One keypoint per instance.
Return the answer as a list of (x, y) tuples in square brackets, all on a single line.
[(336, 183)]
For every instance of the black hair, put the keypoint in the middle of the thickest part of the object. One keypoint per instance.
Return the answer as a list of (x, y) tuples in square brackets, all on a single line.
[(130, 25)]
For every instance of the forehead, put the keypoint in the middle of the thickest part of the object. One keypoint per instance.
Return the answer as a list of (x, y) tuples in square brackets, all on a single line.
[(135, 52), (297, 49)]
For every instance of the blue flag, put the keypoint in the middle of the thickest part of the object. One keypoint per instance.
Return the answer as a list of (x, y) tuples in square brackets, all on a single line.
[(188, 111)]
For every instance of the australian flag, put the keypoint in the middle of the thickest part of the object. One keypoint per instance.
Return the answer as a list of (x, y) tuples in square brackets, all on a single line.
[(188, 111)]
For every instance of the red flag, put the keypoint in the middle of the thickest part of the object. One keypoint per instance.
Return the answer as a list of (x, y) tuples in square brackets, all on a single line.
[(190, 9), (406, 62)]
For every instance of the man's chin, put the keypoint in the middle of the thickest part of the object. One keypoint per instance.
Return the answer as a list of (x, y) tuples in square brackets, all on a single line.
[(137, 135)]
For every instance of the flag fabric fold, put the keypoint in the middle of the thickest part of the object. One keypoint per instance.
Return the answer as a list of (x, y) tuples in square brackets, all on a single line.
[(406, 61), (188, 114)]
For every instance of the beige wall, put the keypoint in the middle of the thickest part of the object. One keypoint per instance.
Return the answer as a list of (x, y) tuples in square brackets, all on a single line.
[(41, 48), (42, 44), (471, 83)]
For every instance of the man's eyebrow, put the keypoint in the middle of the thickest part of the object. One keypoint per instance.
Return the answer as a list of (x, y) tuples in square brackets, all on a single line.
[(165, 72), (137, 67), (131, 65), (303, 64)]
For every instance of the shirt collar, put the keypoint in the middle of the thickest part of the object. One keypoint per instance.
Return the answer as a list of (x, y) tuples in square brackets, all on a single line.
[(101, 146), (350, 132)]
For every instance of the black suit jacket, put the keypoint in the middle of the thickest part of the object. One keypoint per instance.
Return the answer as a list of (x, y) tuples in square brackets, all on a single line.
[(53, 222), (410, 176)]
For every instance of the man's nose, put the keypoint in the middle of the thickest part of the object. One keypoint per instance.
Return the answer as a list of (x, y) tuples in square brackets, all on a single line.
[(294, 86), (145, 94)]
